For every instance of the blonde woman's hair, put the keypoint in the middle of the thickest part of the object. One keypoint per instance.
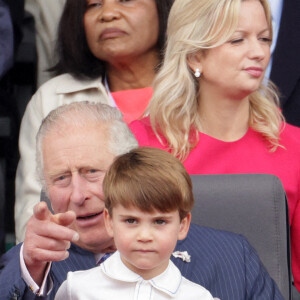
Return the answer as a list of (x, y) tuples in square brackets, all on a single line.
[(193, 26)]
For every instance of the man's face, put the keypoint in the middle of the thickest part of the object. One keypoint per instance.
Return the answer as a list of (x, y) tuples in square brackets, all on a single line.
[(75, 162)]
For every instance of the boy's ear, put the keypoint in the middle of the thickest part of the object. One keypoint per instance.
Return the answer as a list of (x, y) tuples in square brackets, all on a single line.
[(108, 223), (194, 61), (184, 226)]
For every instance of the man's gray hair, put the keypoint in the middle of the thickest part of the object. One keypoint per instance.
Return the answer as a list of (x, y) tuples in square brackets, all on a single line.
[(79, 114)]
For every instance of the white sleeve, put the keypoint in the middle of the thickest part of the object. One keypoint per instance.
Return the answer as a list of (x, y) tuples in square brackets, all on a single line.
[(62, 293), (47, 284)]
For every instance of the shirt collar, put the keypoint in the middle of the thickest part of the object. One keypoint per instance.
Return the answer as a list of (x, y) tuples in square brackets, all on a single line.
[(115, 268)]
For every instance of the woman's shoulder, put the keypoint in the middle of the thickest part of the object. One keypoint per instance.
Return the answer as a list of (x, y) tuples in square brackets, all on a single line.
[(290, 134), (140, 125), (67, 83), (141, 129), (143, 132), (61, 90)]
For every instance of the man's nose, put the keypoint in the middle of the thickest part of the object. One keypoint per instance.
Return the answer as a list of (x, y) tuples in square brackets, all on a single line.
[(79, 190)]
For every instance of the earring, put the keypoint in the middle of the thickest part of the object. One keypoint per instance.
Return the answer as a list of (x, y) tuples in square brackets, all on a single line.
[(197, 73)]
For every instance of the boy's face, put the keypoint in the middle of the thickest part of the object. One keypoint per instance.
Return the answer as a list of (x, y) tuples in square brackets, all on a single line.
[(145, 240)]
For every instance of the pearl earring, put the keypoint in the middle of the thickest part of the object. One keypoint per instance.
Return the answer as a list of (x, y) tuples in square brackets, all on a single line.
[(197, 73)]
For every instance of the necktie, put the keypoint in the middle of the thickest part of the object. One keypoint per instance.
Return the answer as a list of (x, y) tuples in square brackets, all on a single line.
[(103, 258)]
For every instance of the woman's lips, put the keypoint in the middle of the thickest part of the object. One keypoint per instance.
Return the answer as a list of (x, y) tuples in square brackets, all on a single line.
[(111, 33), (254, 71)]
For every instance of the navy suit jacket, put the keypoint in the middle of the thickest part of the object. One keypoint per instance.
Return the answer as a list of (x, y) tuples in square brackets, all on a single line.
[(285, 72), (222, 262)]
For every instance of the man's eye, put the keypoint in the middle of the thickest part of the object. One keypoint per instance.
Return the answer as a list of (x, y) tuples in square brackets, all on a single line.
[(62, 180), (93, 174)]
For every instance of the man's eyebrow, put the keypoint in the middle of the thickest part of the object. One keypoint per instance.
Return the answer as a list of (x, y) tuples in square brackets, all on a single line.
[(57, 173)]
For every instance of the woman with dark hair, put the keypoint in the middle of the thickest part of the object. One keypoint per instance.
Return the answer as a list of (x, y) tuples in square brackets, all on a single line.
[(108, 51)]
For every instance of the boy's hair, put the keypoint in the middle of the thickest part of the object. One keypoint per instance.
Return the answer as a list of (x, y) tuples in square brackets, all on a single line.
[(149, 179)]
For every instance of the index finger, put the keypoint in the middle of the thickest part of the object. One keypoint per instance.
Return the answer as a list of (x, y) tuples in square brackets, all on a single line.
[(41, 211), (65, 219)]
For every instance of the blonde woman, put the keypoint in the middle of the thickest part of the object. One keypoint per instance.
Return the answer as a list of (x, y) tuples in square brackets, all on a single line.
[(211, 106)]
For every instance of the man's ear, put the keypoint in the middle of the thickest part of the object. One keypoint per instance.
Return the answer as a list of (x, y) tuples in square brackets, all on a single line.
[(184, 226), (108, 223), (194, 61)]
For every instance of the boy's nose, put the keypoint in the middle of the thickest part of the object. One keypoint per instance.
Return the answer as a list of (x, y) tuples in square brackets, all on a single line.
[(145, 235)]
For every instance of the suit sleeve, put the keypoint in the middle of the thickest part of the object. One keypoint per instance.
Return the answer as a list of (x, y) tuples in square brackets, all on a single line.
[(12, 286), (259, 284)]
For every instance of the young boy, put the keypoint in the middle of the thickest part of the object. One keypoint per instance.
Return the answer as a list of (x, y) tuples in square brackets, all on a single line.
[(148, 199)]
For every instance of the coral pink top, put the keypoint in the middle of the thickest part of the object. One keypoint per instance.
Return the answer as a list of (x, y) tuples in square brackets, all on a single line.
[(132, 103), (246, 155)]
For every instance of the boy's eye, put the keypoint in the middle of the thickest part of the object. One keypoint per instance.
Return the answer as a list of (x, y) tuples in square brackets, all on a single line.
[(131, 221), (160, 222)]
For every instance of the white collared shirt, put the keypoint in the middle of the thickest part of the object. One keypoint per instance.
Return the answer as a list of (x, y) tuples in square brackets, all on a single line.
[(113, 280)]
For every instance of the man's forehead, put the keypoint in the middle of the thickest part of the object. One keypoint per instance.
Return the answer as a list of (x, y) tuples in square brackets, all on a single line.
[(76, 149)]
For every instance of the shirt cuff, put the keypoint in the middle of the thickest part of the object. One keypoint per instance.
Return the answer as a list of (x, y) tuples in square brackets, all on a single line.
[(47, 284)]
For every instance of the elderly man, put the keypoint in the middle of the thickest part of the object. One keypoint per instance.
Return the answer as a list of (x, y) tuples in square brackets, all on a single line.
[(76, 145)]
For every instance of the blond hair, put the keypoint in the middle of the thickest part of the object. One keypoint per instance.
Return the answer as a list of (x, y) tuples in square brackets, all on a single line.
[(193, 26)]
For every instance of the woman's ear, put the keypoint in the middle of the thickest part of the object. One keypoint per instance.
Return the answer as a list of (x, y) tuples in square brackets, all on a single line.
[(184, 226), (194, 62), (108, 223)]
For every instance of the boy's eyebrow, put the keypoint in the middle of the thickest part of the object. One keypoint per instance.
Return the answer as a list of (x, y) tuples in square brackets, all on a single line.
[(128, 216), (163, 216)]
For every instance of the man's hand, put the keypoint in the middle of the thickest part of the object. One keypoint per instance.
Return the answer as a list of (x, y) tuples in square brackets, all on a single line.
[(47, 239)]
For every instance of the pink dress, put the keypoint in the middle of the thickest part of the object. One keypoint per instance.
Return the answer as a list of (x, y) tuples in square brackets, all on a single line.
[(246, 155), (132, 103)]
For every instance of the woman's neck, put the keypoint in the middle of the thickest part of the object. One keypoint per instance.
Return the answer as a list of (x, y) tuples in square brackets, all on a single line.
[(224, 119), (132, 75)]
